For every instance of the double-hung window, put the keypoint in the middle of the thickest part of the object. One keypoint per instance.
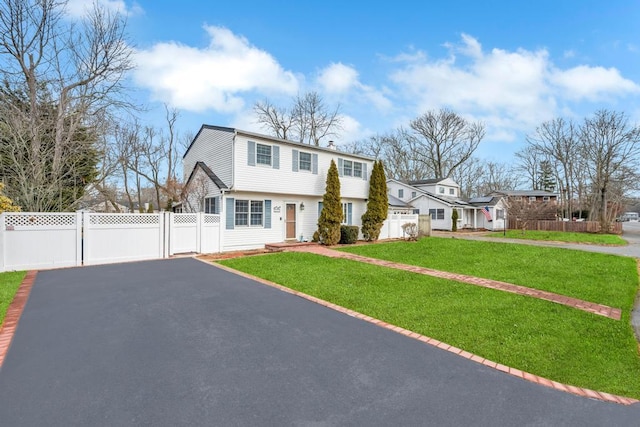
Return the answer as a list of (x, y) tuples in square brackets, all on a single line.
[(304, 161), (452, 192), (347, 168), (249, 212), (400, 193), (357, 169), (436, 213), (263, 154), (210, 205), (257, 212)]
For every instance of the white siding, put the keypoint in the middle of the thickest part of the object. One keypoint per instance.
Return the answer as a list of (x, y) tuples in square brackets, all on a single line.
[(284, 180), (425, 203), (393, 186), (241, 238), (214, 147), (200, 187)]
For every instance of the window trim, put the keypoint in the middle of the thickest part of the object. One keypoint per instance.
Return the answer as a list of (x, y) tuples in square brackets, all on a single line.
[(208, 201), (270, 147), (435, 214), (249, 214), (300, 161), (347, 213), (344, 167), (400, 193)]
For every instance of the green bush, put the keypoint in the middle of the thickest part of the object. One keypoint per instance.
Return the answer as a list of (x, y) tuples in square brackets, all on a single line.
[(454, 220), (348, 234)]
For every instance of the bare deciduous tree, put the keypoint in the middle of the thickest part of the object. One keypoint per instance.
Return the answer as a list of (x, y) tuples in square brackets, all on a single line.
[(610, 145), (443, 141), (558, 140), (68, 75), (308, 120)]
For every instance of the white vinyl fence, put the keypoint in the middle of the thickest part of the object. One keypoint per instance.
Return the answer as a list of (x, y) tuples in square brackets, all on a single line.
[(51, 240), (392, 226)]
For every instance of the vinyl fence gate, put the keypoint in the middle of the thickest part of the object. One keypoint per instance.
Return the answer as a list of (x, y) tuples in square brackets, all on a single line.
[(35, 240)]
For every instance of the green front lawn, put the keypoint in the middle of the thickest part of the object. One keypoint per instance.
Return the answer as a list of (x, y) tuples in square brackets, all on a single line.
[(601, 278), (540, 337), (9, 284), (560, 236)]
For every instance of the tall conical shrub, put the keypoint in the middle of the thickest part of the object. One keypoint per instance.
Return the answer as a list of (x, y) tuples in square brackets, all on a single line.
[(377, 204), (331, 214)]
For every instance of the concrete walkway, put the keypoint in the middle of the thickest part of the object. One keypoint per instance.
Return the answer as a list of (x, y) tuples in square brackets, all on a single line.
[(590, 307)]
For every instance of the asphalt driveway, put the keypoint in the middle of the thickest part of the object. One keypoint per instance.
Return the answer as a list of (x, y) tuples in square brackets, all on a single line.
[(179, 342)]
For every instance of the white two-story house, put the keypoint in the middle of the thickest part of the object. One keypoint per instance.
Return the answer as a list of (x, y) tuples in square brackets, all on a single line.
[(266, 189), (439, 197)]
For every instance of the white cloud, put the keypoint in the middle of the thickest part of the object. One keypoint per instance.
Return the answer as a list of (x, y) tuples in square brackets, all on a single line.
[(216, 77), (511, 91), (79, 8), (338, 78), (592, 83)]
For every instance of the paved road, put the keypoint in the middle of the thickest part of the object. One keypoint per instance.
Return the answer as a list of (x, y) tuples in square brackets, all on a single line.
[(178, 342)]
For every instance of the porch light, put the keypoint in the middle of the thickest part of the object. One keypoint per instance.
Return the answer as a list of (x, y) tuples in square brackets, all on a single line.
[(302, 206)]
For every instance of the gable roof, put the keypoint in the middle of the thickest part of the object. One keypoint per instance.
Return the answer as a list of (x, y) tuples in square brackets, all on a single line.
[(448, 181), (397, 203), (274, 139), (212, 176)]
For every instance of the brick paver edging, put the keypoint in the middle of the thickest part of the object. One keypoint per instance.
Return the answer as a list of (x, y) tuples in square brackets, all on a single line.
[(583, 392), (8, 327), (590, 307)]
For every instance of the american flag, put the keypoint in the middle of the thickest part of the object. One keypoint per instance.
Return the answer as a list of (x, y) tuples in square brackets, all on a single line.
[(486, 213)]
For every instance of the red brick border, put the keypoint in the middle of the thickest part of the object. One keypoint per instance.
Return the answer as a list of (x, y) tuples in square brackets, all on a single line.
[(583, 392), (8, 327), (589, 307)]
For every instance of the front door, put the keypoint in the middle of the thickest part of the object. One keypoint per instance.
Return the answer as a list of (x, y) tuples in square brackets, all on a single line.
[(290, 221)]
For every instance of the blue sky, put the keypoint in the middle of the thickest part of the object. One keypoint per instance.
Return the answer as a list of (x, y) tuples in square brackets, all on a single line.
[(510, 64)]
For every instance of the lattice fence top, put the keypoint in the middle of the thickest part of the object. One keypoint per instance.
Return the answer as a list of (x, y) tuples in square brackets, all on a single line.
[(185, 218), (39, 220), (212, 219), (123, 219)]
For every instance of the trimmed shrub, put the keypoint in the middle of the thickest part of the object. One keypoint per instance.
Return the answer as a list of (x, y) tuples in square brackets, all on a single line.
[(348, 234), (331, 214), (454, 220), (377, 204)]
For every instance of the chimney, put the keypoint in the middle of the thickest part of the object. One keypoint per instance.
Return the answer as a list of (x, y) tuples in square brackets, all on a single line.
[(331, 146)]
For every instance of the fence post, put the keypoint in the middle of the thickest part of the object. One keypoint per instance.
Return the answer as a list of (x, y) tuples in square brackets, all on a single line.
[(199, 229), (167, 231), (2, 248), (85, 237), (79, 237)]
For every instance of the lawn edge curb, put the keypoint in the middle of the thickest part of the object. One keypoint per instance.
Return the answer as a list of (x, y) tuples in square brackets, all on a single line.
[(11, 319), (578, 391)]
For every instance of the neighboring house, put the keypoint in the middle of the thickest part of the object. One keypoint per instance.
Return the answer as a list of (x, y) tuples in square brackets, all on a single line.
[(425, 202), (536, 204), (397, 206), (490, 213), (267, 189), (446, 187), (439, 197)]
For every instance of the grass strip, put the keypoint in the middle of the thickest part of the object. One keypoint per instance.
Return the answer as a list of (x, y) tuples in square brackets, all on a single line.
[(9, 284), (546, 339), (560, 236), (601, 278)]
